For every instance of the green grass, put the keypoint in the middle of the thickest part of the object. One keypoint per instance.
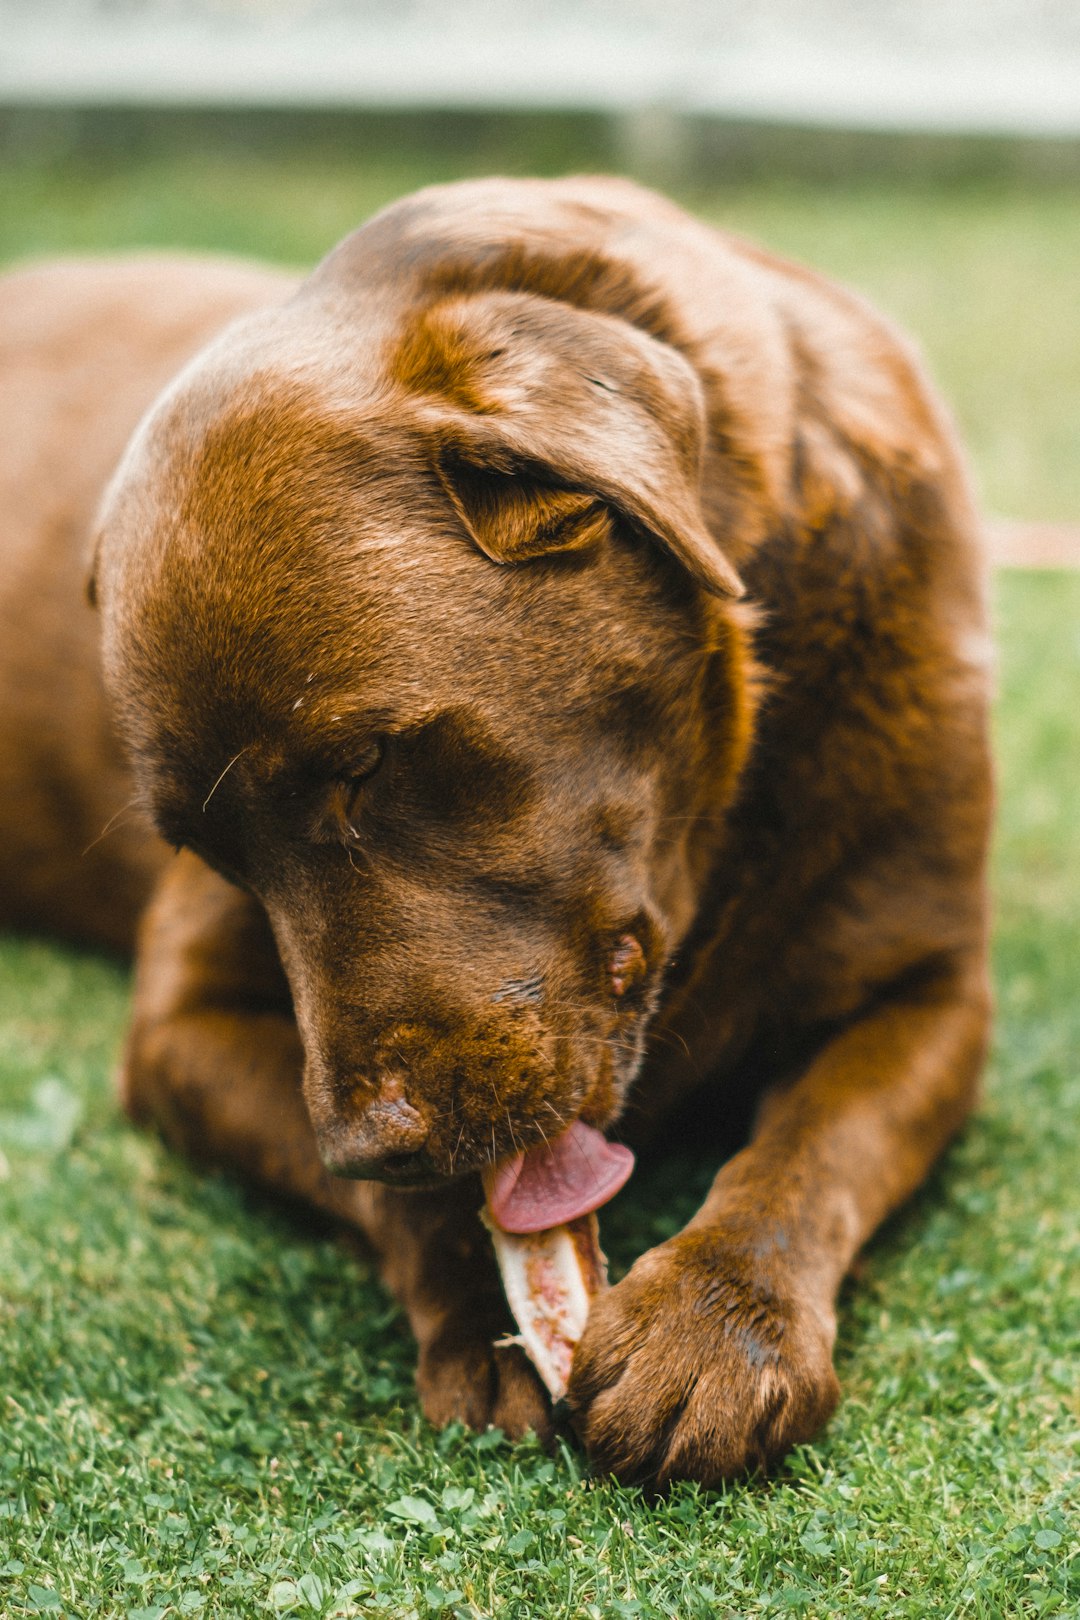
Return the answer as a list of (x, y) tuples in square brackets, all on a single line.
[(206, 1408)]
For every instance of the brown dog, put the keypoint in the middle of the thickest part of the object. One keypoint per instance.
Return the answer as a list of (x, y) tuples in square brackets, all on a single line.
[(553, 638)]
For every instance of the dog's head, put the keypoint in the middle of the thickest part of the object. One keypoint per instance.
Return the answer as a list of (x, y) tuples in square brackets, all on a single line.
[(414, 629)]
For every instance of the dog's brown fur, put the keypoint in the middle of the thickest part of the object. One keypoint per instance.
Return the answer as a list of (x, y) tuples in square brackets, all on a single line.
[(420, 596)]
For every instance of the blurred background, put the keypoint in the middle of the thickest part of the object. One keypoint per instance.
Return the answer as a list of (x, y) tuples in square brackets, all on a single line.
[(926, 151)]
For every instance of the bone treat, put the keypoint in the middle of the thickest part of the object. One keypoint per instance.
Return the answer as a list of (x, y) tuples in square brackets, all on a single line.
[(550, 1279)]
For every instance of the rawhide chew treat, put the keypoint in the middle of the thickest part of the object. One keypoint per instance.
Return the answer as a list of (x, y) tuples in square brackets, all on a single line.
[(540, 1211), (550, 1278)]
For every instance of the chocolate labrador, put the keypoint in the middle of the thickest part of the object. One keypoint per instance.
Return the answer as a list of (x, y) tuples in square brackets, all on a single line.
[(549, 645)]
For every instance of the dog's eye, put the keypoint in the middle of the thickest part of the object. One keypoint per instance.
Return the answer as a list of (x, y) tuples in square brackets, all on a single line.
[(361, 769), (365, 764), (337, 816)]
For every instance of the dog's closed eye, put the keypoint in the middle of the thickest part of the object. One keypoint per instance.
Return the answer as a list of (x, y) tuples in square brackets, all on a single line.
[(341, 795), (366, 762), (352, 782)]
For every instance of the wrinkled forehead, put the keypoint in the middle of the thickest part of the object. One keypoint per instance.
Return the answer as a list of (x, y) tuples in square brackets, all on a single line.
[(255, 513)]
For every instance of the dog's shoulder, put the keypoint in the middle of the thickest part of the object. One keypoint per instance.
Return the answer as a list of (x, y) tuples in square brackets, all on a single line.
[(53, 309)]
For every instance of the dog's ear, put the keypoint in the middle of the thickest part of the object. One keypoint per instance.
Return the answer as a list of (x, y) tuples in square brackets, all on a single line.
[(513, 517), (546, 418)]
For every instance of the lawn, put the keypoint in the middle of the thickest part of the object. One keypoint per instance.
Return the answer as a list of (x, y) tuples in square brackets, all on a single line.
[(207, 1406)]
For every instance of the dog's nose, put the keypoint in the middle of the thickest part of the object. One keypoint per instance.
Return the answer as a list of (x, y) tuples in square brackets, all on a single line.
[(383, 1143)]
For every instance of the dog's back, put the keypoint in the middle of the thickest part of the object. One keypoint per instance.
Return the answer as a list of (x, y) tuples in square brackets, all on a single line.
[(85, 346)]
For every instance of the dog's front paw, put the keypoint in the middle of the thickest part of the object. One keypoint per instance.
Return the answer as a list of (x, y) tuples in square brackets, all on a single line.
[(462, 1376), (702, 1363)]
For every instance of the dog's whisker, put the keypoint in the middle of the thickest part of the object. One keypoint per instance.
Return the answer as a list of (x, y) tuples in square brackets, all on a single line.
[(111, 824), (238, 755), (559, 1120), (457, 1146)]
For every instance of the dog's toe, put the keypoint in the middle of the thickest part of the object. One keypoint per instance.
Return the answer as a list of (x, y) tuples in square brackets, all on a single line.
[(472, 1381)]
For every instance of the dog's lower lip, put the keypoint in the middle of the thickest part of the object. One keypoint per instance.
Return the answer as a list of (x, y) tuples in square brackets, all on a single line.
[(399, 1170), (408, 1172), (427, 1183), (421, 1179), (401, 1164)]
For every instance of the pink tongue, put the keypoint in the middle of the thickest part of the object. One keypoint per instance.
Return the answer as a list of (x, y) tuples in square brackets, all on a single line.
[(549, 1186)]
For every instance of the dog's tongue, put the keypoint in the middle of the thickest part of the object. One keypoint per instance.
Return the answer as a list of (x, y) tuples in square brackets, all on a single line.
[(549, 1186)]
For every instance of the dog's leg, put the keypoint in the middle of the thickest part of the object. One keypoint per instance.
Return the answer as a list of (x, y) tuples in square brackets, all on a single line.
[(214, 1060), (714, 1354)]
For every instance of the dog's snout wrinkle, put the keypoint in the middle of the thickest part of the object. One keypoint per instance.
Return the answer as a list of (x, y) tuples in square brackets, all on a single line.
[(521, 992)]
